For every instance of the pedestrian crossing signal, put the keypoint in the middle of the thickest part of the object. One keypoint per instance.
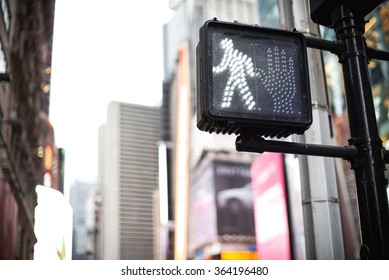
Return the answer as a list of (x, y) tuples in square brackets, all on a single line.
[(253, 79)]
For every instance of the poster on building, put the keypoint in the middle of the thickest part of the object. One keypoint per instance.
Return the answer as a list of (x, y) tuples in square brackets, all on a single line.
[(270, 207), (221, 207), (202, 212), (234, 199)]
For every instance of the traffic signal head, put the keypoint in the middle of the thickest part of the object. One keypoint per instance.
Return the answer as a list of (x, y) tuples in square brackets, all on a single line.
[(252, 79), (322, 10)]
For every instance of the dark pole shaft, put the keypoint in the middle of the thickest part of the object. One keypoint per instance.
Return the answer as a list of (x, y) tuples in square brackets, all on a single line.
[(369, 164)]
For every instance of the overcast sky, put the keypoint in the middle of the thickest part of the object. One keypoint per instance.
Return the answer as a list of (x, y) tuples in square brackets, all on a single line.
[(102, 51)]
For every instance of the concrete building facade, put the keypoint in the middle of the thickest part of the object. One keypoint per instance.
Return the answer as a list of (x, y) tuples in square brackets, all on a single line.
[(127, 178), (26, 30)]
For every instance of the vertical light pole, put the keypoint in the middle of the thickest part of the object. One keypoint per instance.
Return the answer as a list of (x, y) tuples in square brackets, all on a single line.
[(369, 163)]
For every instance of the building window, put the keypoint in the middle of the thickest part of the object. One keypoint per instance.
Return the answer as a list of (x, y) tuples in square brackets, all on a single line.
[(269, 14)]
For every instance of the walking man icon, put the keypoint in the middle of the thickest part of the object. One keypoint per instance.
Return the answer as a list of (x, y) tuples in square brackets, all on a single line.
[(240, 66)]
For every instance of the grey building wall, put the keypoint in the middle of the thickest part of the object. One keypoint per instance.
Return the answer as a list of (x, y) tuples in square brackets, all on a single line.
[(128, 175)]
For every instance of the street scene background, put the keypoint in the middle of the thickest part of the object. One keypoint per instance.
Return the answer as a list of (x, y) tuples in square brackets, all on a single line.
[(101, 157)]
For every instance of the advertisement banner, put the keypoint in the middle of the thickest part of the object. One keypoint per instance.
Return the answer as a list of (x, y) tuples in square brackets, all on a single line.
[(202, 219), (221, 208), (270, 208), (234, 199)]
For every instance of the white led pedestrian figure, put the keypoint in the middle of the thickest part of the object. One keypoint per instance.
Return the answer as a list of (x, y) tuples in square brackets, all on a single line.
[(277, 78), (240, 66)]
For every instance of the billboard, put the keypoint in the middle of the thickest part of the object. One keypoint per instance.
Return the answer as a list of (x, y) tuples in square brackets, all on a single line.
[(202, 210), (234, 199), (221, 204), (270, 207)]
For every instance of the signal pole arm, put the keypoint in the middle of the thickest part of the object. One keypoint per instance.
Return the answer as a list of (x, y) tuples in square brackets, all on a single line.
[(251, 143)]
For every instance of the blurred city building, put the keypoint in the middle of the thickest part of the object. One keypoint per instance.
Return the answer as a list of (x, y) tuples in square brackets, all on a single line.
[(189, 156), (127, 179), (28, 156), (81, 196), (187, 150)]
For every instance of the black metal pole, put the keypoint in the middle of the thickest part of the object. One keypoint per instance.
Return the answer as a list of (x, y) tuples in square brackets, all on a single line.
[(369, 163), (247, 143), (257, 144), (377, 54), (325, 45), (338, 47)]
